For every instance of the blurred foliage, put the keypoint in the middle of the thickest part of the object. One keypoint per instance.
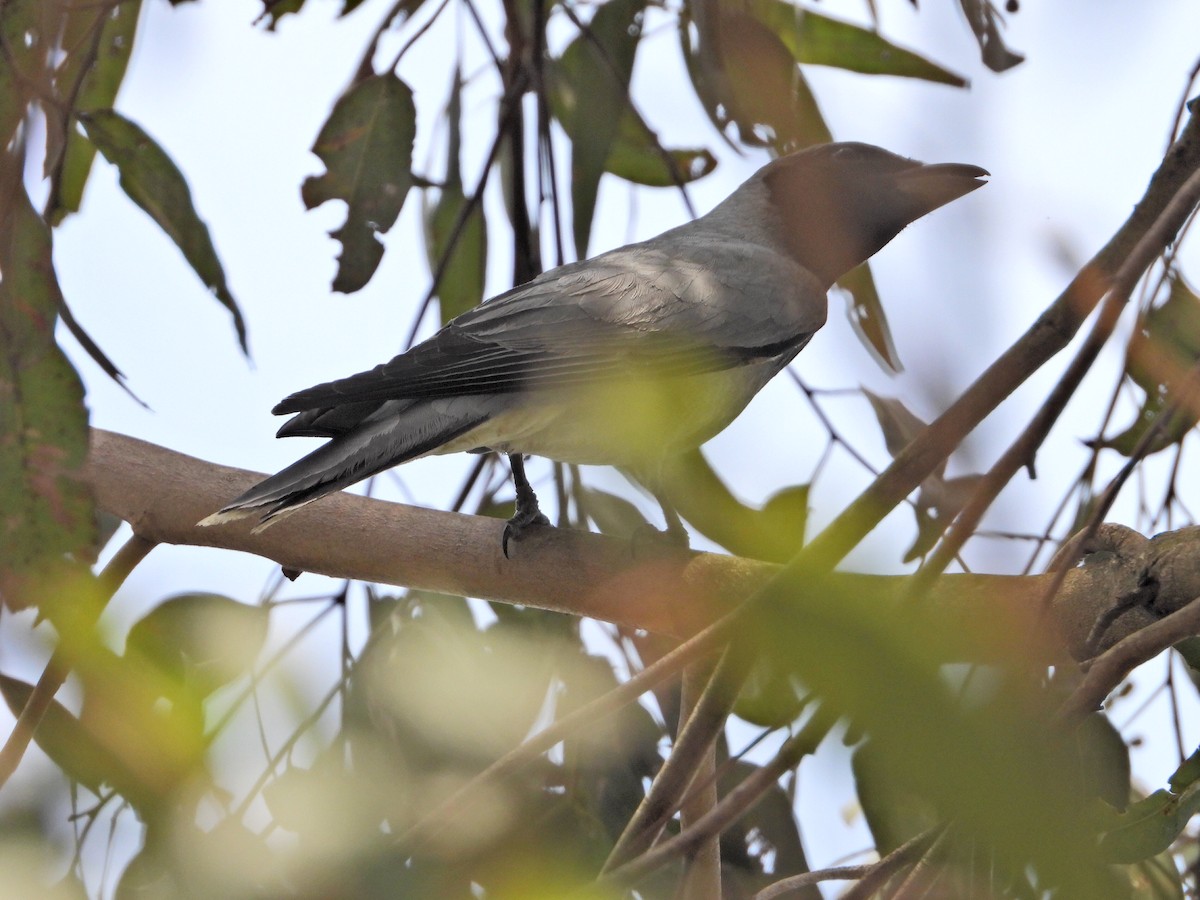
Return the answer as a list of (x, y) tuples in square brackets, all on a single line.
[(1163, 351), (965, 762)]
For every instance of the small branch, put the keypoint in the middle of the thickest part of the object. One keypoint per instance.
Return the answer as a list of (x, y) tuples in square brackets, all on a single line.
[(1053, 330), (809, 879), (695, 738), (731, 808), (1110, 667), (702, 875), (883, 870), (1021, 452)]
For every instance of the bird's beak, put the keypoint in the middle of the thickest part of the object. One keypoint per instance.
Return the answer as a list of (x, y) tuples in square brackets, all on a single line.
[(932, 186)]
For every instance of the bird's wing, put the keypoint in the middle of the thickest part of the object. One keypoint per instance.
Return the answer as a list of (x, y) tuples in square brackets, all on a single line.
[(696, 307)]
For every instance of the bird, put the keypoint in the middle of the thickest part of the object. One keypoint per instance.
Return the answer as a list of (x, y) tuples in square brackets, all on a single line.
[(629, 358)]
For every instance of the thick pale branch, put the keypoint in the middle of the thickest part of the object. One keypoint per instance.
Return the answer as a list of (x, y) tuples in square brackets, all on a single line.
[(162, 494)]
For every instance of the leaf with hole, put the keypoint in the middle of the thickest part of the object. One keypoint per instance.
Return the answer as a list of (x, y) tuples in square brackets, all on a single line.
[(366, 145)]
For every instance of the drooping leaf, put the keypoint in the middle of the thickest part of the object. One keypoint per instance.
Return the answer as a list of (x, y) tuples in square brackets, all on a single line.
[(985, 22), (817, 39), (600, 61), (746, 77), (462, 264), (940, 499), (868, 318), (99, 40), (366, 146), (770, 825), (900, 426), (205, 639), (154, 182), (47, 511)]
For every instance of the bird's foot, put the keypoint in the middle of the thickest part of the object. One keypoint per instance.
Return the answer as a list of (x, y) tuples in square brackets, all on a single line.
[(525, 517)]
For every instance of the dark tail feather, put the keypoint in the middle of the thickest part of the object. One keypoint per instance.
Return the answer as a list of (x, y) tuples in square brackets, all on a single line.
[(392, 436)]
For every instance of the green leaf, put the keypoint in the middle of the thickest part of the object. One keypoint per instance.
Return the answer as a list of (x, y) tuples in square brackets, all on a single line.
[(100, 38), (64, 739), (47, 511), (1156, 879), (637, 157), (204, 639), (463, 263), (613, 515), (824, 41), (154, 183), (893, 813), (1150, 826), (773, 534), (1188, 772), (366, 145), (636, 154), (597, 64), (770, 698), (1104, 760)]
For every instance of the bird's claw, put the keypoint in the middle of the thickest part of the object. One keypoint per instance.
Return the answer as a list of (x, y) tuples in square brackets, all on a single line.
[(515, 528)]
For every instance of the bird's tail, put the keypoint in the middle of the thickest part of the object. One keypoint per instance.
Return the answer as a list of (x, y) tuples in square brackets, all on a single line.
[(397, 432)]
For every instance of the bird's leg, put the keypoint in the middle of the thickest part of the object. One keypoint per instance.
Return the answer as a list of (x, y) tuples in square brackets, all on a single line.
[(527, 512)]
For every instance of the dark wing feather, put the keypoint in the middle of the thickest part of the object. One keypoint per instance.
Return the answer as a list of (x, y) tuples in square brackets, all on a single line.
[(634, 307)]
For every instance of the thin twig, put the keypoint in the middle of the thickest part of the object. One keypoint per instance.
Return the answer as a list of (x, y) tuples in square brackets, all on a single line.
[(732, 807), (1021, 452)]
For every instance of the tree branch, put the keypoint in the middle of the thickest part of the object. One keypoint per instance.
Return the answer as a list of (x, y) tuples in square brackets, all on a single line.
[(162, 494)]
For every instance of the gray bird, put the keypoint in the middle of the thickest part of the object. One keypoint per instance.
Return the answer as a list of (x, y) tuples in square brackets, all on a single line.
[(626, 359)]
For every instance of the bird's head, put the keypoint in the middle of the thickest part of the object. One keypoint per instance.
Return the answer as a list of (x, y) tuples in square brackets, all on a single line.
[(840, 203)]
